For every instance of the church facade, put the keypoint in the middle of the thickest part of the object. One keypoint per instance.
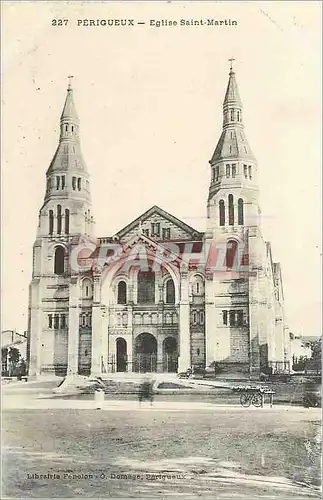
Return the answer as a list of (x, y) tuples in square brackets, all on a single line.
[(159, 295)]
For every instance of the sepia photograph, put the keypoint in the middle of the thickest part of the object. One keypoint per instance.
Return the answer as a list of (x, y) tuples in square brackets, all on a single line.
[(161, 249)]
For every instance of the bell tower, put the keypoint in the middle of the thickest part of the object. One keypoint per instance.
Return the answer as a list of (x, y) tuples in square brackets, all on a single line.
[(233, 215), (64, 218)]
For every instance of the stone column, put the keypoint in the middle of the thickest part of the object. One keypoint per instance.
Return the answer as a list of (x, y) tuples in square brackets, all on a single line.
[(35, 330), (73, 327), (160, 360), (96, 365), (129, 352), (210, 321), (184, 361)]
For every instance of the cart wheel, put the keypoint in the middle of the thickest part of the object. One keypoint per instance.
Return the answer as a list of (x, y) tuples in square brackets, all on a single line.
[(256, 400), (245, 400)]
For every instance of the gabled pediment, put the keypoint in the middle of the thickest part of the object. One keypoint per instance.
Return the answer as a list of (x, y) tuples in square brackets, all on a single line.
[(159, 225)]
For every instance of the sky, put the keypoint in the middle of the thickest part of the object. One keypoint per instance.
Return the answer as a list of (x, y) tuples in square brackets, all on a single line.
[(150, 104)]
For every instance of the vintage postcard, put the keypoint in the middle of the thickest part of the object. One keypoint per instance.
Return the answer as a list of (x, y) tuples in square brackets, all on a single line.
[(161, 257)]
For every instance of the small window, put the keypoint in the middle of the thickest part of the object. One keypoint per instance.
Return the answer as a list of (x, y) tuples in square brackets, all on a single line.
[(231, 135), (66, 128), (166, 233), (59, 261), (155, 229), (125, 319), (58, 179), (217, 173), (74, 183), (197, 287), (56, 321), (63, 321), (225, 317), (67, 221), (72, 127), (59, 219), (232, 318), (201, 318), (83, 320), (213, 174), (170, 291), (238, 116), (230, 149), (245, 171), (86, 291), (85, 352), (50, 321), (89, 320), (63, 181), (198, 352), (51, 222), (194, 318), (145, 232), (232, 115), (240, 318), (234, 170), (227, 169), (240, 212), (231, 210), (79, 183), (122, 292), (222, 212), (250, 172)]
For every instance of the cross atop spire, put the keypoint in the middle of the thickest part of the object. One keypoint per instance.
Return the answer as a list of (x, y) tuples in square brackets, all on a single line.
[(231, 63), (70, 77)]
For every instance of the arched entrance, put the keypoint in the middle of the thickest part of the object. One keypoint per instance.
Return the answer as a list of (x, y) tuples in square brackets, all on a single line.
[(121, 355), (170, 355), (145, 355)]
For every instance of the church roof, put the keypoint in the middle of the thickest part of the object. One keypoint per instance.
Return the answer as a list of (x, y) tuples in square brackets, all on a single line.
[(155, 210)]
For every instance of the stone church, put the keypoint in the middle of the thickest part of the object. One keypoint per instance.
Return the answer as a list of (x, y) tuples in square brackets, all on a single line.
[(172, 297)]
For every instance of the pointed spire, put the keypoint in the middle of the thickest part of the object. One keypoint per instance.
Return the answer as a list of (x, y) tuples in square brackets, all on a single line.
[(69, 110), (68, 155), (232, 143)]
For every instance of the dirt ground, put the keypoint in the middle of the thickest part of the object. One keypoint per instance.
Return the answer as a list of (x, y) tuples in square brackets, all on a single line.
[(156, 454)]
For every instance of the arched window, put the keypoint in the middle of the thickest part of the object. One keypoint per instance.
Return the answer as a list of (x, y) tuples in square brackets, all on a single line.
[(231, 253), (79, 183), (231, 210), (67, 221), (232, 115), (59, 219), (51, 222), (240, 212), (122, 292), (222, 212), (58, 179), (170, 292), (59, 261)]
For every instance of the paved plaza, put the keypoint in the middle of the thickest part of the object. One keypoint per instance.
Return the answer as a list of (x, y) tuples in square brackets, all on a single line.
[(58, 447)]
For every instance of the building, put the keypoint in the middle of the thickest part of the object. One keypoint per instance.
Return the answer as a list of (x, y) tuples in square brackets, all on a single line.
[(159, 295), (10, 339)]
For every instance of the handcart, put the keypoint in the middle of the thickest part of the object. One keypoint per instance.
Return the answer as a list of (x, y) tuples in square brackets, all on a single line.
[(254, 395)]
